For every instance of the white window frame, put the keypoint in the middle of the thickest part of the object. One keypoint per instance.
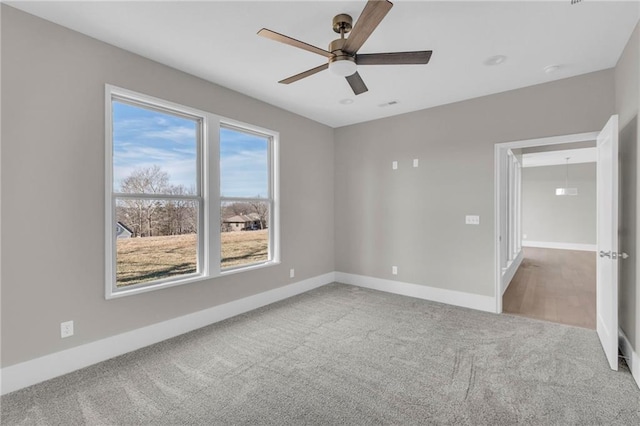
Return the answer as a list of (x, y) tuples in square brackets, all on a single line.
[(208, 184)]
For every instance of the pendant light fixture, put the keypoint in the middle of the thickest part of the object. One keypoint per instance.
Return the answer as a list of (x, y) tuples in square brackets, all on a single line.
[(566, 190)]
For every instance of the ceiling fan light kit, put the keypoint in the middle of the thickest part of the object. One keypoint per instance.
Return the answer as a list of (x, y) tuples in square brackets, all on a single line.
[(343, 67), (343, 59)]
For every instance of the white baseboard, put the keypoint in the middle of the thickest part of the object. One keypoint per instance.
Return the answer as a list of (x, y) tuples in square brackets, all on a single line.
[(37, 370), (451, 297), (561, 246), (510, 271), (632, 357)]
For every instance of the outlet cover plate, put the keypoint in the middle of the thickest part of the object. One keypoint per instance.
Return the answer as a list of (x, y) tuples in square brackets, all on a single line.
[(472, 220), (66, 329)]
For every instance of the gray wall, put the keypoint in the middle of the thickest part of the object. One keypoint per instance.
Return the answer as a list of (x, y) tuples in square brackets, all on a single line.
[(53, 180), (547, 217), (627, 104), (414, 218), (52, 174)]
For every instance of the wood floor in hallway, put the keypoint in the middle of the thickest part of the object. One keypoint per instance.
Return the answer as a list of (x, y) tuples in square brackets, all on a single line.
[(554, 285)]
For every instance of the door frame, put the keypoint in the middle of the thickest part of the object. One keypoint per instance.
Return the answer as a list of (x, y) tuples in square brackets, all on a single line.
[(500, 152)]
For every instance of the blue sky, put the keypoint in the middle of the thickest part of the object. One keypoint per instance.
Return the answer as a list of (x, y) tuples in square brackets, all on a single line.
[(143, 138), (243, 164)]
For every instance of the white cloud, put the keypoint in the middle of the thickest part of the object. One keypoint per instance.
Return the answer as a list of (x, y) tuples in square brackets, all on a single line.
[(179, 134)]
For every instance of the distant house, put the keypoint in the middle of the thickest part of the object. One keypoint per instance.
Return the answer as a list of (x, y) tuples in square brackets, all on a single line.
[(122, 231), (242, 222)]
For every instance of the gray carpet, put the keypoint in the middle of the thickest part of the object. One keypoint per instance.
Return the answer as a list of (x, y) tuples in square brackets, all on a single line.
[(346, 355)]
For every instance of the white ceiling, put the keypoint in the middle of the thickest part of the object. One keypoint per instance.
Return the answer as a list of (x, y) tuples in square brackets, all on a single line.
[(217, 41)]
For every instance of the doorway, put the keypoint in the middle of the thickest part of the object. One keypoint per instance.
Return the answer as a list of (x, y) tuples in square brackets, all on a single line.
[(607, 193), (508, 218), (556, 280)]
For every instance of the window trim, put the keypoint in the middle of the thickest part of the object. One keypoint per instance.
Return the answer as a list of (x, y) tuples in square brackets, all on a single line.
[(208, 188)]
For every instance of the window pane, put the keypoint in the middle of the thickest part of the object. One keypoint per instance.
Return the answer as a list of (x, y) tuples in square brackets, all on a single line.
[(244, 233), (153, 152), (155, 239), (244, 168)]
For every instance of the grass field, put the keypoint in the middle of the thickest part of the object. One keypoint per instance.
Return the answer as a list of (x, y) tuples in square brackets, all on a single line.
[(241, 248), (146, 259)]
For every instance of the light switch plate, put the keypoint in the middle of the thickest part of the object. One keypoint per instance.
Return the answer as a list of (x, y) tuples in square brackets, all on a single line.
[(472, 220), (415, 162), (394, 165)]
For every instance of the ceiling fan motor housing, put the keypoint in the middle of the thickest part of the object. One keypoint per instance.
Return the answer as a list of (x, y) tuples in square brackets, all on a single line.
[(336, 46)]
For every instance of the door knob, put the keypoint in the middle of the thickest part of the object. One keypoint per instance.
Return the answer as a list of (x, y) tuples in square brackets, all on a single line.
[(605, 254)]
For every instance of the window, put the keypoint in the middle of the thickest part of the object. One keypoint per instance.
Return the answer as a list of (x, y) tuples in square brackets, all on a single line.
[(246, 200), (163, 164)]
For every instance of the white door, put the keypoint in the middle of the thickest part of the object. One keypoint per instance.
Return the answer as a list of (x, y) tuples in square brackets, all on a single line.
[(607, 264)]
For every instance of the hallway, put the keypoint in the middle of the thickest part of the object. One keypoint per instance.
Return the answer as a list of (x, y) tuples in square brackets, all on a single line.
[(554, 285)]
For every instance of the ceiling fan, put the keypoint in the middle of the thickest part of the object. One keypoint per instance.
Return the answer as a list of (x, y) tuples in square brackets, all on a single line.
[(343, 57)]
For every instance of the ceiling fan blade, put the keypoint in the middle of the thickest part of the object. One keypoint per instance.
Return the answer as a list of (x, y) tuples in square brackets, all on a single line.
[(293, 42), (304, 74), (396, 58), (371, 16), (356, 83)]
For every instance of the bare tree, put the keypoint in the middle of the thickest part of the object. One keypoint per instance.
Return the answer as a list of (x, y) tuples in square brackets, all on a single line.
[(148, 180), (261, 208), (179, 215), (240, 209), (142, 212)]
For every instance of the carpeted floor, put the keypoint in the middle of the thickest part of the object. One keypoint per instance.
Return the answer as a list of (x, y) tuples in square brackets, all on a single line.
[(346, 355)]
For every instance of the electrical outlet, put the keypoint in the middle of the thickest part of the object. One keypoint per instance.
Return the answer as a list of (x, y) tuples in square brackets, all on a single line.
[(66, 329), (292, 273), (524, 236), (472, 220), (394, 270)]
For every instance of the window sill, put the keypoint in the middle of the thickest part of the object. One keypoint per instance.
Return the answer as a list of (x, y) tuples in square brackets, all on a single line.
[(193, 279), (251, 267), (152, 287)]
